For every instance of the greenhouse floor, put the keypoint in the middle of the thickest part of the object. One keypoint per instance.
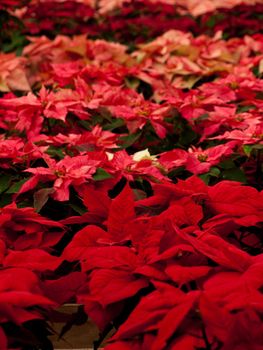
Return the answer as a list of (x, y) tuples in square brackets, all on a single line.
[(78, 337)]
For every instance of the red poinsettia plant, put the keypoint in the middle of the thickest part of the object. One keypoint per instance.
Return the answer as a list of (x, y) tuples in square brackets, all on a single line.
[(131, 179)]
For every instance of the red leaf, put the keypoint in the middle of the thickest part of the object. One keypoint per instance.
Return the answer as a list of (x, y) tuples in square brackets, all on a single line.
[(101, 316), (149, 312), (29, 184), (33, 259), (168, 326), (121, 212), (230, 197), (24, 299), (82, 241), (111, 286), (184, 274), (18, 279), (112, 257), (218, 249), (215, 317), (43, 240), (3, 340), (65, 288), (97, 202)]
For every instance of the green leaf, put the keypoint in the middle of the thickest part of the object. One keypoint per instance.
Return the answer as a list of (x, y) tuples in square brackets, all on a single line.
[(5, 199), (211, 22), (187, 137), (16, 186), (4, 183), (17, 41), (205, 177), (234, 174), (260, 95), (139, 194), (55, 152), (114, 124), (227, 164), (201, 118), (78, 209), (129, 140), (247, 150), (242, 109), (214, 172), (41, 197), (101, 174), (85, 124), (213, 19), (132, 83)]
